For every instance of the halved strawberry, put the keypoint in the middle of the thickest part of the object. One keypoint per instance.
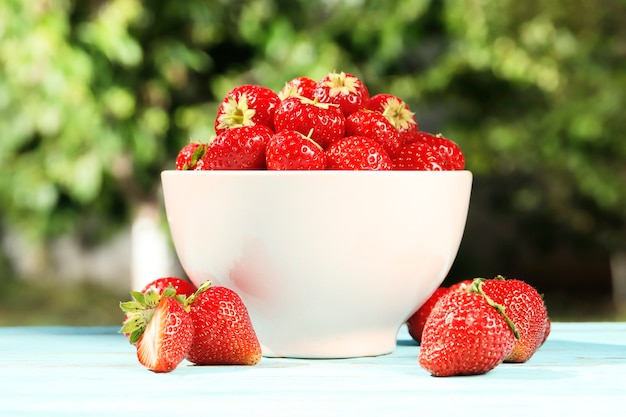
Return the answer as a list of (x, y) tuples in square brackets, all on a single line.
[(223, 330), (291, 150), (159, 327), (344, 89), (322, 122), (238, 148), (247, 105)]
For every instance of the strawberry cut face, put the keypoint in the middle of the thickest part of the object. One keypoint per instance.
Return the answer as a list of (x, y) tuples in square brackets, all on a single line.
[(167, 337)]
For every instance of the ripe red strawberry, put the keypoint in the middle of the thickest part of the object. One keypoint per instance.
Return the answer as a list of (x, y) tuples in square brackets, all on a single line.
[(415, 323), (431, 153), (238, 148), (223, 331), (247, 105), (449, 151), (357, 153), (396, 111), (190, 156), (417, 156), (344, 89), (291, 150), (465, 334), (182, 286), (461, 285), (159, 327), (547, 332), (373, 125), (525, 307), (299, 86), (322, 122)]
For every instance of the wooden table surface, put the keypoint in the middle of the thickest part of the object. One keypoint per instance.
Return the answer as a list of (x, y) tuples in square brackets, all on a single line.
[(93, 371)]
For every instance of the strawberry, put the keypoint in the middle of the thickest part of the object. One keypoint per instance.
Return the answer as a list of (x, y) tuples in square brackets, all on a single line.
[(396, 111), (182, 286), (344, 89), (160, 328), (190, 156), (223, 330), (246, 105), (417, 156), (429, 153), (357, 153), (238, 148), (526, 309), (461, 285), (547, 332), (465, 334), (322, 122), (373, 125), (299, 86), (291, 150), (415, 323)]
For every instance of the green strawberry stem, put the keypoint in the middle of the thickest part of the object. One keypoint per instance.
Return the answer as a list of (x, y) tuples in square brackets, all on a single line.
[(202, 288), (477, 287), (140, 309)]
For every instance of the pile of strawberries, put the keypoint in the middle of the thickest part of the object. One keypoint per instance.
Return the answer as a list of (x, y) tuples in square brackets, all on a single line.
[(332, 123), (475, 325), (171, 320)]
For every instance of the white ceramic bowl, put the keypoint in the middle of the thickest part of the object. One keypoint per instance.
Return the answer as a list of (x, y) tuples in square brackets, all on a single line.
[(329, 264)]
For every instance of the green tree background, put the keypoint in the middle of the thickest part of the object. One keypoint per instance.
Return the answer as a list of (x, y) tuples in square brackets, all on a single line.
[(97, 96)]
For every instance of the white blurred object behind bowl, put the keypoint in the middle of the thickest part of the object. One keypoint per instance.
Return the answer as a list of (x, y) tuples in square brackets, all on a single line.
[(329, 263)]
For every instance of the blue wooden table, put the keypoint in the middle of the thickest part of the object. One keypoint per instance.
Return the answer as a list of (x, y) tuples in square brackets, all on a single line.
[(68, 371)]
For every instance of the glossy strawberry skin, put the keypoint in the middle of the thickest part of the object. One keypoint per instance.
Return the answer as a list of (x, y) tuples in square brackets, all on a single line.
[(373, 125), (223, 330), (464, 335), (190, 156), (239, 148), (182, 286), (415, 323), (425, 151), (291, 150), (461, 285), (429, 153), (417, 156), (322, 122), (526, 308), (247, 105), (396, 111), (357, 153), (343, 89), (299, 86), (167, 337)]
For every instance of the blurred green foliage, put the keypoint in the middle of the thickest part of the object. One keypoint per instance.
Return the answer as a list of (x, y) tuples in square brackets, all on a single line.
[(97, 96)]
